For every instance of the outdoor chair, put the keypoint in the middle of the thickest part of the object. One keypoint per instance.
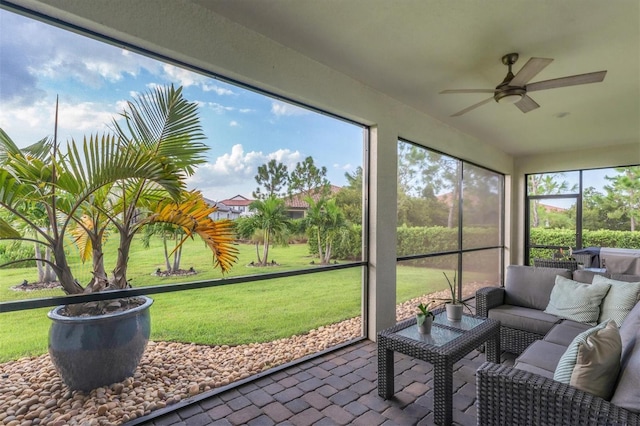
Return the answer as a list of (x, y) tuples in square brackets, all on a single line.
[(570, 264)]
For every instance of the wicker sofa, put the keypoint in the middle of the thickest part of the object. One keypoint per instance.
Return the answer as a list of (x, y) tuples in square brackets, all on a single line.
[(527, 393)]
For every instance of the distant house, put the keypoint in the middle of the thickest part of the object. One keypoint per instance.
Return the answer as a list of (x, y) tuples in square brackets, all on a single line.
[(231, 208), (296, 206), (238, 206), (554, 209)]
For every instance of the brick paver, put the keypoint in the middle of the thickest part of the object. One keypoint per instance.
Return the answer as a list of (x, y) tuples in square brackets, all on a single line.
[(336, 388)]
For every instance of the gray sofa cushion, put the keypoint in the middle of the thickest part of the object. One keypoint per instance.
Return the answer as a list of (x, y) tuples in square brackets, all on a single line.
[(627, 393), (626, 278), (530, 287), (583, 276), (521, 318), (565, 332), (541, 357), (575, 324), (629, 328)]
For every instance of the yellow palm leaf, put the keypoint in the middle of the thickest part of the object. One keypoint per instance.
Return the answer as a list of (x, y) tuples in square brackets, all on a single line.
[(192, 215), (81, 237)]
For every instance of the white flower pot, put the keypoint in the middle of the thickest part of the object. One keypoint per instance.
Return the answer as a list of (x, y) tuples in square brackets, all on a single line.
[(454, 312), (424, 323)]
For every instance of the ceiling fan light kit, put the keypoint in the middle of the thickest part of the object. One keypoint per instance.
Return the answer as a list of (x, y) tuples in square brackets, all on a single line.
[(513, 89), (510, 95)]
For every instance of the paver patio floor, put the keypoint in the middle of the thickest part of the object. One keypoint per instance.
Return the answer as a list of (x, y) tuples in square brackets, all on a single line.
[(337, 388)]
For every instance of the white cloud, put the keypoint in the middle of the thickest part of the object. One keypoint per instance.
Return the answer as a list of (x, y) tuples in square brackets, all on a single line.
[(283, 109), (286, 157), (28, 124), (233, 172), (233, 124), (217, 89), (183, 77), (219, 108), (87, 117)]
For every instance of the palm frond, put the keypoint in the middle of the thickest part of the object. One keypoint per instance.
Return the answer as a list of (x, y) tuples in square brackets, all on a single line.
[(192, 215), (106, 160), (163, 122), (81, 237), (7, 231), (7, 146)]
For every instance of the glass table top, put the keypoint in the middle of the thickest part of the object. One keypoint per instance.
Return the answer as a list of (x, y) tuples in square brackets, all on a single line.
[(466, 323), (442, 331), (438, 337)]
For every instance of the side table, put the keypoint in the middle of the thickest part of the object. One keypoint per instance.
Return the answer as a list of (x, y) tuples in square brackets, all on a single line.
[(448, 342)]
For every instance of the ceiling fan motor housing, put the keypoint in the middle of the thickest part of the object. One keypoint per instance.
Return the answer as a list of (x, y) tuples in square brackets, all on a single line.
[(504, 93), (509, 94)]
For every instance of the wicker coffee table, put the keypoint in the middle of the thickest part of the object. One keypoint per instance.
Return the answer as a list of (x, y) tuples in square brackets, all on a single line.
[(448, 343)]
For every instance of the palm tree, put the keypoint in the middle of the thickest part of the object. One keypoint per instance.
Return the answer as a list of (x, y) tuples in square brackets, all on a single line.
[(326, 219), (314, 220), (123, 180), (271, 221), (334, 224), (166, 232)]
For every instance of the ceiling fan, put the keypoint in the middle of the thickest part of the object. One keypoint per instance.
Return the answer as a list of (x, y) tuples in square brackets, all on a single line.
[(514, 88)]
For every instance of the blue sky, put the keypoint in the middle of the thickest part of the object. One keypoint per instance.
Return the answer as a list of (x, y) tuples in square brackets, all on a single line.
[(94, 79)]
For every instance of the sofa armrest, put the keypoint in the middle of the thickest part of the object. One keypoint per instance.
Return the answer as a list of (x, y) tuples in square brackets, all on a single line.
[(508, 396), (488, 298)]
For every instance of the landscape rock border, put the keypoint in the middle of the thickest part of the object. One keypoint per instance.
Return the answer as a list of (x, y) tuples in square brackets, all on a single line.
[(31, 390)]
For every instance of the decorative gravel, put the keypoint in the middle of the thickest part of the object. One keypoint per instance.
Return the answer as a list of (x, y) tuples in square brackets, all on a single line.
[(32, 393)]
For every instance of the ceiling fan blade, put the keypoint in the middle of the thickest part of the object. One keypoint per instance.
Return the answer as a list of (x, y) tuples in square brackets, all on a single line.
[(445, 92), (574, 80), (530, 70), (527, 104), (474, 106)]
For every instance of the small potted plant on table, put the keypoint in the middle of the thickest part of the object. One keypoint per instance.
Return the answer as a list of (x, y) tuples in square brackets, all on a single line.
[(424, 318), (454, 305)]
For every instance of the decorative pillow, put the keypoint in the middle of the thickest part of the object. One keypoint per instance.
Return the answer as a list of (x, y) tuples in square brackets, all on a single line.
[(598, 362), (620, 299), (627, 393), (576, 301), (592, 361)]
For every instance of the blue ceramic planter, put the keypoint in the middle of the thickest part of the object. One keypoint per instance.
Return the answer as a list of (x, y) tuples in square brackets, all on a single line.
[(94, 351)]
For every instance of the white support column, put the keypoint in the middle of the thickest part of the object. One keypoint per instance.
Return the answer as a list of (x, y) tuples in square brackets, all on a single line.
[(382, 232)]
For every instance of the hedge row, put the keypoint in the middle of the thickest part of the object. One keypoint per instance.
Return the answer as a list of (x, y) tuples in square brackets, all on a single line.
[(418, 240), (600, 238), (421, 240), (346, 246)]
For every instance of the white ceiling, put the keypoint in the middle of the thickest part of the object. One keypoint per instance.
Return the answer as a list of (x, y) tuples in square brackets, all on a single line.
[(413, 49)]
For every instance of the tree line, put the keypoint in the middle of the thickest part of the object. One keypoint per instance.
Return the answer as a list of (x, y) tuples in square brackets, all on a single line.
[(329, 215), (615, 207)]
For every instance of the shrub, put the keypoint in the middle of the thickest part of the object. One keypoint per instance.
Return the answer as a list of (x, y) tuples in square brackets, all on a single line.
[(16, 251)]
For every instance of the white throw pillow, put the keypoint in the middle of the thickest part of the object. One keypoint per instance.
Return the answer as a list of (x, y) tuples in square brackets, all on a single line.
[(620, 299), (576, 301)]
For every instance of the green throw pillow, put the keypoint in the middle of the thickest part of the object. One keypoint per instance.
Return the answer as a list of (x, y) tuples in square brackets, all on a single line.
[(620, 299), (576, 301)]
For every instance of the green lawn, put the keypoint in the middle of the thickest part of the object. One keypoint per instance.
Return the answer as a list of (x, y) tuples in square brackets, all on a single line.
[(235, 314), (144, 262), (243, 313)]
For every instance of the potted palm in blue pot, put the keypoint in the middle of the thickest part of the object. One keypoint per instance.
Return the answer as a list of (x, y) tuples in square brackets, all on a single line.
[(116, 183)]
